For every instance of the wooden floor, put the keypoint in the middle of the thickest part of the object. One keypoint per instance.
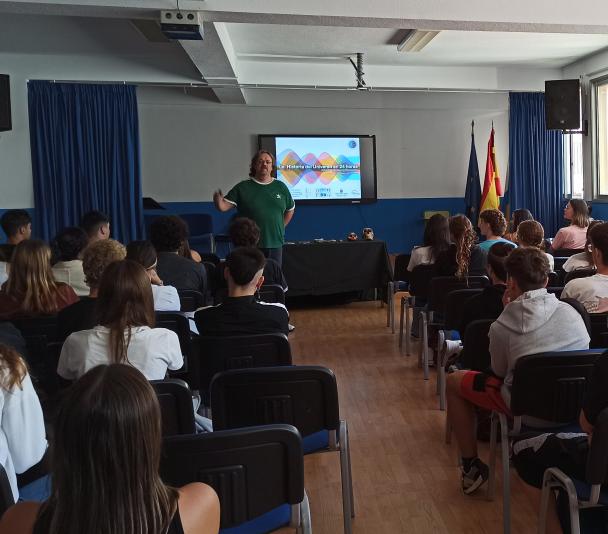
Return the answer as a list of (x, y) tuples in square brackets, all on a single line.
[(406, 478)]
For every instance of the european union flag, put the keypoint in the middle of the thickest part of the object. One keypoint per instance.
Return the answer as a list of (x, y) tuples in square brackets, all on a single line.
[(472, 195)]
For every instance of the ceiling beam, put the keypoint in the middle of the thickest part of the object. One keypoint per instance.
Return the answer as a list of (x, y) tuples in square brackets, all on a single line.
[(215, 59)]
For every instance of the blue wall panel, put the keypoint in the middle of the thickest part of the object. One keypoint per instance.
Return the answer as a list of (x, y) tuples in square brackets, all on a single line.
[(399, 222)]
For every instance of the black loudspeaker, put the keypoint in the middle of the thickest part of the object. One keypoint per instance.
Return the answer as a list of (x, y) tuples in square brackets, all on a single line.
[(563, 105), (5, 103)]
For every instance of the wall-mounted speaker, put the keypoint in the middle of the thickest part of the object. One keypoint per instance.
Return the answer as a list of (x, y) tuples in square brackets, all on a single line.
[(563, 105), (5, 103)]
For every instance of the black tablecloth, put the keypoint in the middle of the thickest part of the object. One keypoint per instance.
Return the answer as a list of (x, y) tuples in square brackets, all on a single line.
[(335, 267)]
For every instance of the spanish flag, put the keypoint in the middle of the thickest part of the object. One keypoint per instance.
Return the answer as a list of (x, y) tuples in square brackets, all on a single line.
[(492, 188)]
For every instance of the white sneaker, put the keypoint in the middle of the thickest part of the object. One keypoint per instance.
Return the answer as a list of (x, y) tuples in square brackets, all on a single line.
[(451, 347)]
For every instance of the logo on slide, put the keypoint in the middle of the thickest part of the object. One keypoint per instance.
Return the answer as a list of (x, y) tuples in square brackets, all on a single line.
[(352, 143)]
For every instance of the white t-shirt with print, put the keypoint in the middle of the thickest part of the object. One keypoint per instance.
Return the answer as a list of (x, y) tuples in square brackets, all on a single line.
[(151, 350), (591, 291)]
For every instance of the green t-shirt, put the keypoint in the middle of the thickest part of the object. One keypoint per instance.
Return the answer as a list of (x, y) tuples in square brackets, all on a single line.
[(266, 205)]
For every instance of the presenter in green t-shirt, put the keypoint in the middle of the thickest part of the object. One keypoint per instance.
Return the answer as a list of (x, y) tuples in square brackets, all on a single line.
[(265, 200)]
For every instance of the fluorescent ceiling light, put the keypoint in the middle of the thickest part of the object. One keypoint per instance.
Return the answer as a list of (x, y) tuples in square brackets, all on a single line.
[(416, 40)]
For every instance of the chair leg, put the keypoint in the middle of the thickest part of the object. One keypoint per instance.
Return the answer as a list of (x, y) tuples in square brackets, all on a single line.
[(401, 315), (405, 316), (425, 345), (441, 384), (506, 479), (544, 504), (492, 467), (389, 296), (348, 508), (305, 521)]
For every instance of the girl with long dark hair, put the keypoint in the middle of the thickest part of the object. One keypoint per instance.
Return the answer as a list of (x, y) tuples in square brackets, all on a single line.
[(105, 458)]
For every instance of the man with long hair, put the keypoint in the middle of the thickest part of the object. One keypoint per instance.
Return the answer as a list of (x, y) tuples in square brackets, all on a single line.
[(265, 200)]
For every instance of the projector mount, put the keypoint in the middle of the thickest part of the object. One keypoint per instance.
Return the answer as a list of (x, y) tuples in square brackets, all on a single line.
[(359, 72)]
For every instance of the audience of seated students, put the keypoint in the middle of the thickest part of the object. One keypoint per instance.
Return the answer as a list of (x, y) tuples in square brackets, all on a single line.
[(463, 257), (168, 234), (105, 459), (517, 217), (487, 304), (165, 297), (22, 433), (245, 232), (67, 250), (125, 331), (240, 313), (96, 225), (573, 237), (592, 291), (532, 321), (31, 290), (532, 455), (492, 225), (17, 225), (532, 234), (582, 260), (436, 241), (82, 315)]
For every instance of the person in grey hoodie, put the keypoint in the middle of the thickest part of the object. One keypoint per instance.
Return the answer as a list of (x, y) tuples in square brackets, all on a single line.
[(532, 321)]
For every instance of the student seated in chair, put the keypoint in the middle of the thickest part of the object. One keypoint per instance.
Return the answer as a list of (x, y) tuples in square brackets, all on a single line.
[(240, 314), (492, 225), (592, 291), (532, 321), (105, 459), (17, 225), (96, 257), (168, 235), (97, 226)]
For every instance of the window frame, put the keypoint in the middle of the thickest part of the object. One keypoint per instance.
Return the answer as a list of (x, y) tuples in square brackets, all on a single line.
[(568, 174), (595, 161)]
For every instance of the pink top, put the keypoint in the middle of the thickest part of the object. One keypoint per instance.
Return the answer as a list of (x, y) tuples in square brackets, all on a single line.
[(571, 237)]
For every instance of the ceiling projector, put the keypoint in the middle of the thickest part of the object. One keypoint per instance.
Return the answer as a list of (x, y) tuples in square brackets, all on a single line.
[(182, 25)]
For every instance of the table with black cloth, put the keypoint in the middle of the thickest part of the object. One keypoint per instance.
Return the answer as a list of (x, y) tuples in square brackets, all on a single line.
[(331, 267)]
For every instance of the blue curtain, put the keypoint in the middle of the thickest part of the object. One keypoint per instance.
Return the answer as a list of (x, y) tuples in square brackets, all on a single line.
[(536, 170), (85, 156)]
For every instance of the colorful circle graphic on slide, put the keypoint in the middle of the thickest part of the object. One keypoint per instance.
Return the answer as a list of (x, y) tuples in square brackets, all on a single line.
[(352, 143)]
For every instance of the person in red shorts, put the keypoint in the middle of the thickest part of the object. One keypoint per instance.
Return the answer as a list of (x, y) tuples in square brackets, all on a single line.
[(532, 321)]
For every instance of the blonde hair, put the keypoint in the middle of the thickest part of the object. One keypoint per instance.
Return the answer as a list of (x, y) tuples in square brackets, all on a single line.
[(12, 368), (580, 216), (30, 281), (97, 256)]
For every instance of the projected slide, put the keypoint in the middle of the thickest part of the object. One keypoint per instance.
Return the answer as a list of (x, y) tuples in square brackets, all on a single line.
[(316, 168)]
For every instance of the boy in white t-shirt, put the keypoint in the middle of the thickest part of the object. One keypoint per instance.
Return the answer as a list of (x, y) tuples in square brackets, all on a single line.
[(592, 291)]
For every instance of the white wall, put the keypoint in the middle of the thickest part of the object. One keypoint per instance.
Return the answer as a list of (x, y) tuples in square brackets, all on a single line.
[(191, 147)]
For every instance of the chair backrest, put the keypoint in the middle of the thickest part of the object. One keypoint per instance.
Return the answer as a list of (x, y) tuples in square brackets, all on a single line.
[(217, 354), (454, 302), (303, 396), (252, 470), (566, 252), (271, 293), (401, 262), (176, 408), (579, 273), (597, 459), (553, 279), (44, 342), (599, 326), (6, 493), (580, 308), (190, 299), (198, 223), (557, 291), (558, 262), (420, 280), (477, 345), (440, 286), (551, 385)]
